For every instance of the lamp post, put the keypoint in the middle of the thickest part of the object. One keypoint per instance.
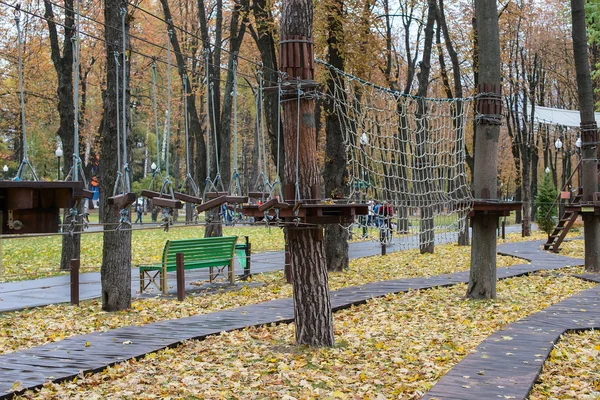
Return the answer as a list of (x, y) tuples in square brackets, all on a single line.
[(59, 154), (5, 169)]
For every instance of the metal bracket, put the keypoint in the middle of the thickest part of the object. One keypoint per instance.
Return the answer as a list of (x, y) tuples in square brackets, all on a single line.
[(13, 224)]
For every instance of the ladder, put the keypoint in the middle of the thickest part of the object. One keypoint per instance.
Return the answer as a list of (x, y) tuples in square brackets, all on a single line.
[(566, 221)]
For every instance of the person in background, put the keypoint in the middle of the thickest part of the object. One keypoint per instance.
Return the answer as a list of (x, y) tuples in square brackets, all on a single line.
[(139, 210)]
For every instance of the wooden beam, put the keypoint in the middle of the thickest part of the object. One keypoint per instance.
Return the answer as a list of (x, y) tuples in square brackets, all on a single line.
[(150, 194), (168, 203), (122, 200), (214, 195), (214, 203), (187, 198)]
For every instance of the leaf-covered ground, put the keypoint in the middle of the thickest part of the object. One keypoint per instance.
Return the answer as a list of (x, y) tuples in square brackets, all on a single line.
[(392, 347), (573, 369), (34, 327)]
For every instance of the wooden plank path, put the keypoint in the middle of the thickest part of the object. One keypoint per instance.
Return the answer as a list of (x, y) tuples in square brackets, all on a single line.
[(65, 359)]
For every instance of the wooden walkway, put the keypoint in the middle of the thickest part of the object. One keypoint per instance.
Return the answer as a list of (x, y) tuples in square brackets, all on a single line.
[(65, 359)]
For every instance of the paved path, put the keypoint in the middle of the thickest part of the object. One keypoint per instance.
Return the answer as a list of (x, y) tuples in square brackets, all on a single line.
[(67, 358)]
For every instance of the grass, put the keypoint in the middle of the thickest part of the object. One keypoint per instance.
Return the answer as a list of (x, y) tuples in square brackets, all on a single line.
[(30, 258)]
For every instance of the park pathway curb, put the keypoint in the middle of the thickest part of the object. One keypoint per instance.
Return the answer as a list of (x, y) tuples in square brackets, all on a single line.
[(65, 359)]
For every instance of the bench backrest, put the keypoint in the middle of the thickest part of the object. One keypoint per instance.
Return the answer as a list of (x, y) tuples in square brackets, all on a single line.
[(204, 249)]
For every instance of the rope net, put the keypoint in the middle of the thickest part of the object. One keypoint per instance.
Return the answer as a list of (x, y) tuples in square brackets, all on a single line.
[(406, 158)]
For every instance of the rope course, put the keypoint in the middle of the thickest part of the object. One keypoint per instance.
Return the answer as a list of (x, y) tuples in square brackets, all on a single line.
[(405, 156)]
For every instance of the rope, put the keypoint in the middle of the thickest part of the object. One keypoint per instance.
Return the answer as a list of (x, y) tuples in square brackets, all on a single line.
[(168, 140), (278, 178), (297, 184), (208, 181), (118, 180), (155, 110), (127, 185), (234, 187), (188, 176), (25, 162), (218, 168)]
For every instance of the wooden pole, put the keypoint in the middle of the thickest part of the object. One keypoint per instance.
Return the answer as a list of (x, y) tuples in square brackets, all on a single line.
[(180, 277), (248, 257), (75, 264)]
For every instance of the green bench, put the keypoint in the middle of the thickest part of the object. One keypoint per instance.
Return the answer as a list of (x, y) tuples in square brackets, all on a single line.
[(197, 253)]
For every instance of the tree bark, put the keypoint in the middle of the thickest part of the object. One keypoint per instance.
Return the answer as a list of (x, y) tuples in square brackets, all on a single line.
[(482, 278), (312, 307), (335, 173), (426, 234), (589, 135), (116, 251)]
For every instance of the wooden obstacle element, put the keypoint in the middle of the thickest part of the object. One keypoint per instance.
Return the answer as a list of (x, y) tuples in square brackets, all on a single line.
[(214, 195), (33, 206), (214, 203), (166, 203), (186, 198), (162, 200), (273, 203), (122, 201), (219, 201)]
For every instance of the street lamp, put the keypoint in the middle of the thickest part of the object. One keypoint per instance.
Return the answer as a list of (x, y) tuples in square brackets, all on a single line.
[(578, 143), (558, 144), (5, 169), (59, 154), (547, 170), (153, 167)]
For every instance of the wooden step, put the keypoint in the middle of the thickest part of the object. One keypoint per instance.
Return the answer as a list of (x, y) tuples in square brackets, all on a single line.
[(167, 203), (122, 201), (210, 204), (187, 198)]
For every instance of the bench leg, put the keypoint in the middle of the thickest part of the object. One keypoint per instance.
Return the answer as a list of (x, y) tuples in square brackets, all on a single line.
[(211, 274), (230, 270), (163, 281), (142, 281)]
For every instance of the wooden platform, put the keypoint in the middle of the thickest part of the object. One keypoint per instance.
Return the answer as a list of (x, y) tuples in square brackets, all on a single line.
[(33, 206), (307, 213), (499, 208)]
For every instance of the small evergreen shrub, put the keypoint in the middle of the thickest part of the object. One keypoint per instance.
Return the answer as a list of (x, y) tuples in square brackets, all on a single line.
[(544, 202)]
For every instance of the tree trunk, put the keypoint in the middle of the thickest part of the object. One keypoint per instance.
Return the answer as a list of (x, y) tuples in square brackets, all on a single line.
[(424, 174), (589, 135), (335, 172), (116, 251), (482, 278), (526, 191), (312, 307)]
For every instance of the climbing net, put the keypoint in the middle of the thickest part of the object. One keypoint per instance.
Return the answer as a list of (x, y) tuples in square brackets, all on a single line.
[(406, 158)]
